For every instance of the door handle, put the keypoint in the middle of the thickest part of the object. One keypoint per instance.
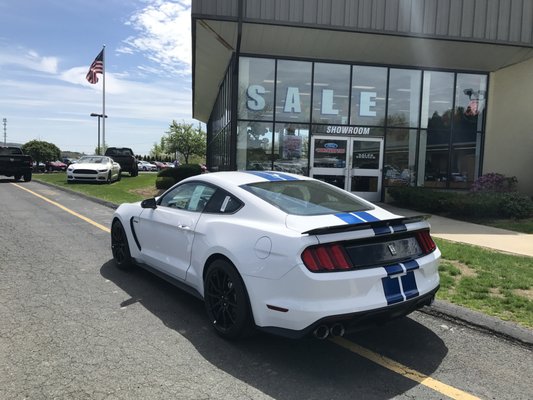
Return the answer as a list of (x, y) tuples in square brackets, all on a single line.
[(184, 227)]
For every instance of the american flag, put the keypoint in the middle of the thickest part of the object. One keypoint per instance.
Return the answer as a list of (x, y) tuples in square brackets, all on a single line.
[(97, 67), (472, 108)]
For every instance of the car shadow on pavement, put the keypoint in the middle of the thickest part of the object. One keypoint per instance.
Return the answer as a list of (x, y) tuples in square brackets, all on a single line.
[(284, 368)]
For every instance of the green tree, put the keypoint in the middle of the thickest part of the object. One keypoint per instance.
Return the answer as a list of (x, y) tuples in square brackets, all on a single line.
[(158, 150), (41, 151), (100, 150), (185, 140)]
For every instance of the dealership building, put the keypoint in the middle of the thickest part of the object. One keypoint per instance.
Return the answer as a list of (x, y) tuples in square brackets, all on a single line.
[(367, 94)]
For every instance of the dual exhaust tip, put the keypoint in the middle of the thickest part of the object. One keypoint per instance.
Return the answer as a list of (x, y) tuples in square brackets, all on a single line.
[(323, 331)]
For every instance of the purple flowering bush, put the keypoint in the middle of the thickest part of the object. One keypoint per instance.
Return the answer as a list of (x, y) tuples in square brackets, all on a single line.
[(494, 182)]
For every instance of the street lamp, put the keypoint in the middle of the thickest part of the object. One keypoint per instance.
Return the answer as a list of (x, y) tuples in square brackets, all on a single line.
[(99, 116)]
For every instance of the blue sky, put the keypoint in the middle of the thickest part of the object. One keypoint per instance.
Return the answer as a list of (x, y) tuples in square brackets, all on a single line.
[(47, 46)]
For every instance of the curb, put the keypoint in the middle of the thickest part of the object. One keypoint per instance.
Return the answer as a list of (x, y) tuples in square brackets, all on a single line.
[(439, 308), (483, 322)]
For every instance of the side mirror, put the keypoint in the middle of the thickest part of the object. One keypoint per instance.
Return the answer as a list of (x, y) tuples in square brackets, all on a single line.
[(149, 203)]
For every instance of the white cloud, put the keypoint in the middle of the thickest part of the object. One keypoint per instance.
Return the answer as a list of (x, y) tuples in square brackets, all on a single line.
[(29, 59), (164, 35)]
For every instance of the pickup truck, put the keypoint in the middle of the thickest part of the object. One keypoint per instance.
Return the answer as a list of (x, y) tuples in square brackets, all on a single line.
[(13, 162), (125, 157)]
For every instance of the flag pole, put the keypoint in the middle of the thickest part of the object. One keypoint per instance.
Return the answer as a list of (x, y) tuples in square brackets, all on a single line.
[(103, 99)]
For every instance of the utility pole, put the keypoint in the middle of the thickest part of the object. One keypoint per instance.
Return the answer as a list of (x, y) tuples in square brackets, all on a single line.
[(5, 131)]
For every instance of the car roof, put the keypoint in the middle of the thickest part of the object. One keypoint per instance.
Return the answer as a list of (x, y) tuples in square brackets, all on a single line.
[(238, 178)]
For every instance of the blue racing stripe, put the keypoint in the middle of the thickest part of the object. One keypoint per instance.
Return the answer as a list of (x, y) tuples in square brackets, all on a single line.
[(409, 285), (349, 218), (411, 265), (394, 269), (391, 287), (366, 216), (399, 228), (273, 176), (381, 230)]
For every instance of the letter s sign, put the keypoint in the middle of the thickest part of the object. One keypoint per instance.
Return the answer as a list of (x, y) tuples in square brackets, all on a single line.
[(256, 102)]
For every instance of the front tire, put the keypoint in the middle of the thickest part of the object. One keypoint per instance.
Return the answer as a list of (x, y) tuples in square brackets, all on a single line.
[(27, 177), (120, 247), (226, 301)]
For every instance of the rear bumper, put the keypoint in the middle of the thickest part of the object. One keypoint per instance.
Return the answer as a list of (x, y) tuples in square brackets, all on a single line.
[(298, 302), (358, 321)]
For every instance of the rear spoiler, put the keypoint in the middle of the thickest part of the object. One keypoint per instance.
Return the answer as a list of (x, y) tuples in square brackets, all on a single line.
[(376, 225)]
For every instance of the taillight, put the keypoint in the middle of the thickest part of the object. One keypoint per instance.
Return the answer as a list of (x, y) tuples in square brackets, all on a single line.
[(425, 241), (331, 257)]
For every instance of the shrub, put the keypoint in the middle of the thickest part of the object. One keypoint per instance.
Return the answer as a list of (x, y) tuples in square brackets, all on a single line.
[(473, 205), (516, 205), (169, 176)]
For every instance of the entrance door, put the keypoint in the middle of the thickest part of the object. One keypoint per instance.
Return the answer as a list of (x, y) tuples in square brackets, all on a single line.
[(352, 164)]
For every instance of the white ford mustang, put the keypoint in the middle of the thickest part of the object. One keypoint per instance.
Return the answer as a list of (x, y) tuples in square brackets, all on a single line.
[(94, 169), (284, 253)]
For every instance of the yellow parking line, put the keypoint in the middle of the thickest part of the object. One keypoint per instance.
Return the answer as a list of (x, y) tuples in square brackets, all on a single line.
[(407, 372), (90, 221)]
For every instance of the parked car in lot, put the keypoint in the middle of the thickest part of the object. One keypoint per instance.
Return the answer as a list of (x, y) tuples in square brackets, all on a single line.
[(55, 166), (125, 157), (146, 166), (160, 165), (13, 162), (94, 169), (284, 253)]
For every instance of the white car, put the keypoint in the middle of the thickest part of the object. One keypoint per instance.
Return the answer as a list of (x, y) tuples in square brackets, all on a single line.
[(283, 253), (93, 169), (146, 166)]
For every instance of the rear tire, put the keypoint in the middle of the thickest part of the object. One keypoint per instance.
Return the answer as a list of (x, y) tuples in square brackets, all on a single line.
[(27, 177), (120, 247), (17, 178), (226, 301)]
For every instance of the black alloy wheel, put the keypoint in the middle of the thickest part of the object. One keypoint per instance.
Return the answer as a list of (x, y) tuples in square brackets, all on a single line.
[(120, 247), (226, 301)]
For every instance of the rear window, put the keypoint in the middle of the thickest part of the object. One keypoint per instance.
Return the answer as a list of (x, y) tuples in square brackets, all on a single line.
[(8, 151), (119, 152), (306, 197)]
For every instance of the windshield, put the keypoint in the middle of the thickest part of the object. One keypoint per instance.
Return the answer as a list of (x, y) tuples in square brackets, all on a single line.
[(93, 160), (306, 197)]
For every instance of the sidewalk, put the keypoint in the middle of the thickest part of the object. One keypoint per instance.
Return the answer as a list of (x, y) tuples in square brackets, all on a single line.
[(479, 235)]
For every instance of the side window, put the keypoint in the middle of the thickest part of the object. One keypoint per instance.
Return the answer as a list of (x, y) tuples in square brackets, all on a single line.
[(223, 203), (191, 196)]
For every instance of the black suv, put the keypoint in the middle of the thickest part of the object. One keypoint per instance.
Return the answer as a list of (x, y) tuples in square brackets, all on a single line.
[(125, 157)]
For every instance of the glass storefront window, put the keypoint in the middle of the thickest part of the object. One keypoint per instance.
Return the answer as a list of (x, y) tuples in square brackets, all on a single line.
[(400, 157), (437, 100), (463, 168), (256, 88), (432, 122), (254, 146), (331, 91), (433, 163), (369, 93), (293, 91), (291, 144), (404, 97), (469, 107)]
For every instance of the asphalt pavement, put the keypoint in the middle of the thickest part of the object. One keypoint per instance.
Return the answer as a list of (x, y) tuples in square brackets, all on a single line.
[(462, 232)]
